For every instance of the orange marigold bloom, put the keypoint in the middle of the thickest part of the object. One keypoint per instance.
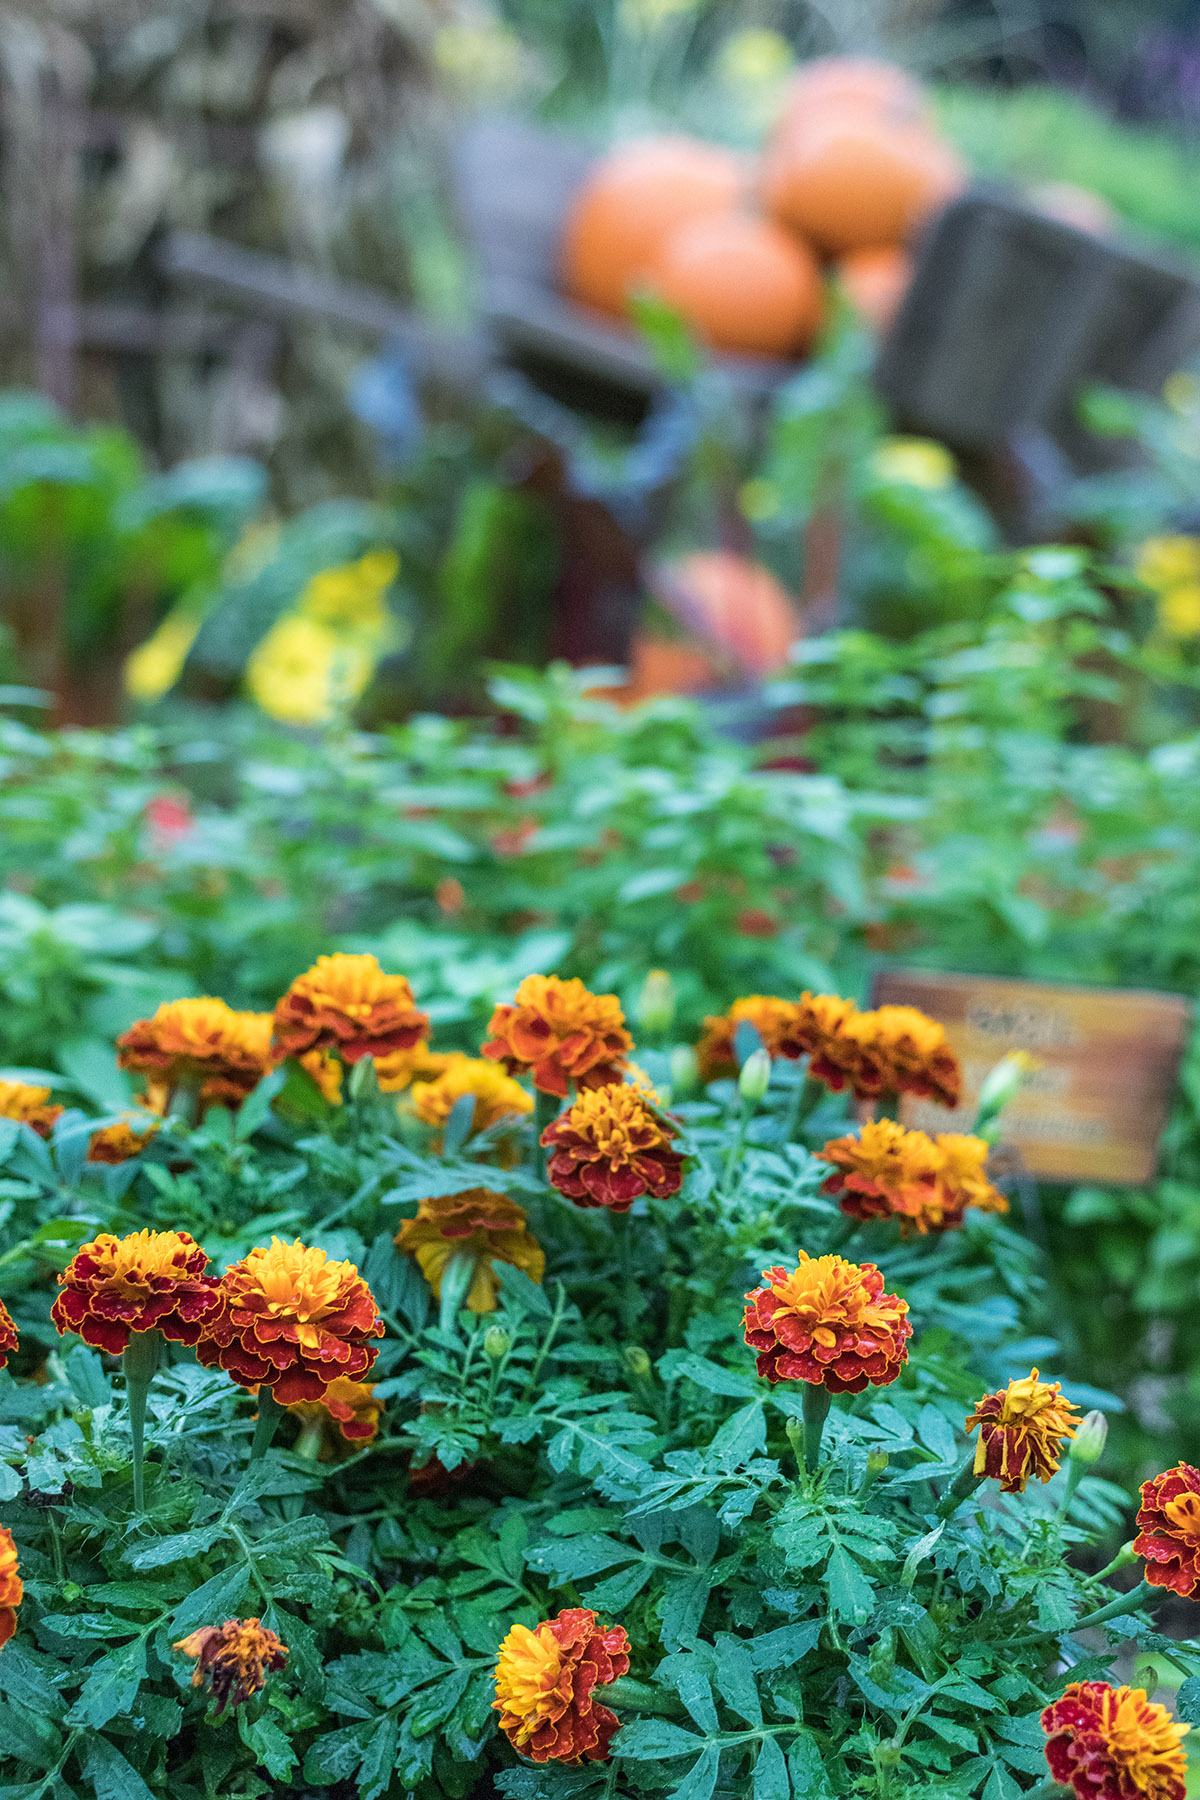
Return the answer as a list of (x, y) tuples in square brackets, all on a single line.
[(827, 1322), (116, 1143), (1110, 1743), (11, 1590), (200, 1044), (325, 1072), (403, 1067), (291, 1319), (611, 1146), (903, 1051), (233, 1660), (1168, 1537), (1021, 1431), (485, 1226), (28, 1105), (346, 1407), (148, 1281), (348, 1004), (497, 1095), (775, 1021), (9, 1342), (890, 1172), (560, 1032), (545, 1683)]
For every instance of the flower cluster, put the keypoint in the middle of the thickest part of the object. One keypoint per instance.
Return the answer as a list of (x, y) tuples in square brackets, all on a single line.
[(560, 1033), (787, 1028), (124, 1138), (148, 1281), (1168, 1524), (479, 1224), (12, 1591), (201, 1045), (1021, 1432), (1109, 1743), (545, 1685), (349, 1005), (233, 1660), (888, 1172), (827, 1322), (28, 1105), (610, 1147)]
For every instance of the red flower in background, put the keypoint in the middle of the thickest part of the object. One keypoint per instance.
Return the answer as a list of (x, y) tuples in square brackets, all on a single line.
[(1168, 1524)]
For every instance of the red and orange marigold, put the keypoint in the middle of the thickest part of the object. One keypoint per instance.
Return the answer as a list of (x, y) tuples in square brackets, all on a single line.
[(902, 1050), (291, 1319), (201, 1045), (148, 1281), (1109, 1743), (827, 1322), (545, 1687), (1168, 1524), (610, 1147), (561, 1033), (233, 1660), (28, 1105), (11, 1590), (890, 1172), (348, 1004), (1021, 1432), (479, 1224), (8, 1336), (347, 1408), (776, 1021), (123, 1139)]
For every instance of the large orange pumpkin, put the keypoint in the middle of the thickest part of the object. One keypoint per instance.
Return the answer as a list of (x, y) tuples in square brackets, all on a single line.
[(875, 282), (855, 182), (841, 83), (630, 201), (743, 283), (732, 605)]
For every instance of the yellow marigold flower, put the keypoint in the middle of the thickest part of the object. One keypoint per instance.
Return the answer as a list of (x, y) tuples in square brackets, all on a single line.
[(890, 1172), (9, 1342), (350, 597), (12, 1591), (233, 1660), (827, 1322), (610, 1147), (348, 1004), (963, 1180), (545, 1686), (1179, 611), (146, 1281), (125, 1138), (497, 1095), (155, 666), (400, 1068), (28, 1105), (347, 1409), (201, 1044), (560, 1032), (1109, 1743), (485, 1226), (1022, 1428), (302, 673)]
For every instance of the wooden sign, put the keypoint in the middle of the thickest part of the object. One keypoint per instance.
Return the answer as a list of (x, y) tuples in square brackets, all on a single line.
[(1094, 1108)]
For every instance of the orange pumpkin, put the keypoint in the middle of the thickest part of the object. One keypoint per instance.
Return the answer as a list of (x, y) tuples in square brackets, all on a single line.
[(839, 83), (875, 282), (732, 605), (743, 283), (630, 201), (856, 182)]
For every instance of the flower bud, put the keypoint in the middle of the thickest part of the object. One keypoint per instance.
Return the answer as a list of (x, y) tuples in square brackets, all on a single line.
[(1001, 1085), (877, 1462), (496, 1342), (1087, 1446), (637, 1363), (685, 1070), (654, 1008), (755, 1077)]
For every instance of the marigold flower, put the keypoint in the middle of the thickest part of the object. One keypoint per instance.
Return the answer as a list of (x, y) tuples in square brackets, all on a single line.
[(560, 1032), (1110, 1743), (485, 1226), (903, 1051), (963, 1181), (348, 1408), (1022, 1428), (12, 1591), (325, 1072), (291, 1319), (399, 1070), (611, 1146), (148, 1281), (123, 1139), (545, 1682), (28, 1105), (9, 1342), (233, 1660), (827, 1322), (890, 1172), (201, 1044), (497, 1095), (348, 1004), (775, 1021), (1168, 1537)]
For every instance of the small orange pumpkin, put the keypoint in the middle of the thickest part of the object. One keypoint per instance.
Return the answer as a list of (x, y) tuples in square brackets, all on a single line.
[(856, 182), (875, 282), (837, 84), (732, 605), (743, 283)]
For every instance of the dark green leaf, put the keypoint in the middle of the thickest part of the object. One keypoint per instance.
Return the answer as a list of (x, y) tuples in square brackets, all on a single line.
[(770, 1773), (112, 1777)]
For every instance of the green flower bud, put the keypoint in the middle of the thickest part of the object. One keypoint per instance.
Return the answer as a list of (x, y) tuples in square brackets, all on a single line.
[(496, 1342), (1087, 1446), (1001, 1085), (877, 1462), (654, 1009), (755, 1077), (685, 1070), (636, 1361), (70, 1591)]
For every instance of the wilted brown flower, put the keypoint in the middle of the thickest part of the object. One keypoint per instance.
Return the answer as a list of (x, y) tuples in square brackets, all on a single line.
[(233, 1660), (1021, 1432)]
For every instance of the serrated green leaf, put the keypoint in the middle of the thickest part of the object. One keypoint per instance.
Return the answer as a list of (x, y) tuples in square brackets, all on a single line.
[(111, 1776), (851, 1596), (649, 1740), (771, 1773)]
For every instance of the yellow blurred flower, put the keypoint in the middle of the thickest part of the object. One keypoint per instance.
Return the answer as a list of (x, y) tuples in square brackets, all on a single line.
[(914, 462), (1179, 610), (302, 673), (350, 597), (756, 57), (1170, 566), (155, 666)]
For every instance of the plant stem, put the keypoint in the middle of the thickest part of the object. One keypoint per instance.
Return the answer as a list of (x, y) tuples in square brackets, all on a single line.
[(816, 1410), (140, 1363), (269, 1414), (545, 1111), (960, 1489), (639, 1696), (1124, 1603), (805, 1096)]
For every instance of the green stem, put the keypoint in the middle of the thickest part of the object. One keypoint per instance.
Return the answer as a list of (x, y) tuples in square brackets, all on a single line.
[(545, 1111), (1075, 1473), (269, 1414), (140, 1363), (806, 1096), (739, 1143), (960, 1489), (639, 1696), (816, 1410), (1137, 1597)]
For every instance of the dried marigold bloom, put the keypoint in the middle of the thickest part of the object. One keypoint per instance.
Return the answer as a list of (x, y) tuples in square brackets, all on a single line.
[(1168, 1524), (485, 1226), (201, 1044), (348, 1004), (126, 1137), (12, 1591), (889, 1172), (611, 1146), (1021, 1432), (233, 1660), (903, 1051), (148, 1281), (1109, 1743), (560, 1032), (348, 1408), (9, 1342), (827, 1322), (28, 1105), (291, 1319), (545, 1684), (497, 1095)]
